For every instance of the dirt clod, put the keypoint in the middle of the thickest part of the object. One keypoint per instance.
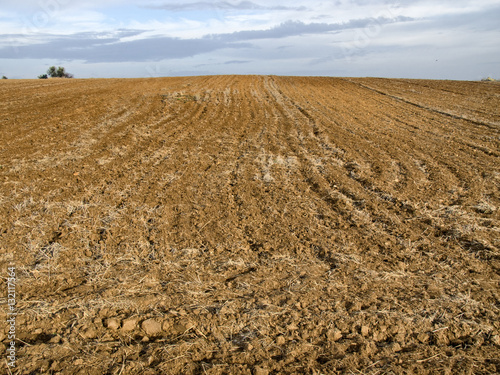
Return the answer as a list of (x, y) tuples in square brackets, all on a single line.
[(130, 324), (365, 330), (113, 323), (261, 371), (152, 327)]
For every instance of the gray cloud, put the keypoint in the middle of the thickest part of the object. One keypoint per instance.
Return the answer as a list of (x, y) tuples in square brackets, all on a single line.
[(222, 5), (480, 20), (96, 48), (230, 62), (296, 28), (106, 47)]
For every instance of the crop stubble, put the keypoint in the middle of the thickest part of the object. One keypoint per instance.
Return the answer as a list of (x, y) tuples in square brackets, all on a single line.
[(252, 224)]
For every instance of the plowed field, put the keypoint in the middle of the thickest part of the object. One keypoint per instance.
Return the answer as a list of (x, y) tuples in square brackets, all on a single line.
[(251, 225)]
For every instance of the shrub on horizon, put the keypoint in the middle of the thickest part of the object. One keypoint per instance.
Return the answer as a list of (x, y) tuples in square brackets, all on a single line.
[(60, 72)]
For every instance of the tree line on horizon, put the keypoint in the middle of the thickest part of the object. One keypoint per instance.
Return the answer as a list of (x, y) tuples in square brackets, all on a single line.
[(54, 72)]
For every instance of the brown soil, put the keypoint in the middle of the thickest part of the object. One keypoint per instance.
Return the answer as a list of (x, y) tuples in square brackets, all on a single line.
[(252, 225)]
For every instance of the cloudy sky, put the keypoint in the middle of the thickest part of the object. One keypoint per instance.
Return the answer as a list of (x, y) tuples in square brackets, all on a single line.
[(150, 38)]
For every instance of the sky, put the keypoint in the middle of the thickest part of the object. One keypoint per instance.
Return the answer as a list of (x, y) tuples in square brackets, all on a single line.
[(154, 38)]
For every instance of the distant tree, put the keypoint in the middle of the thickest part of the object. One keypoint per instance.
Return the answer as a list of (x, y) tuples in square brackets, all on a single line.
[(4, 77), (43, 76), (51, 72), (60, 72)]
